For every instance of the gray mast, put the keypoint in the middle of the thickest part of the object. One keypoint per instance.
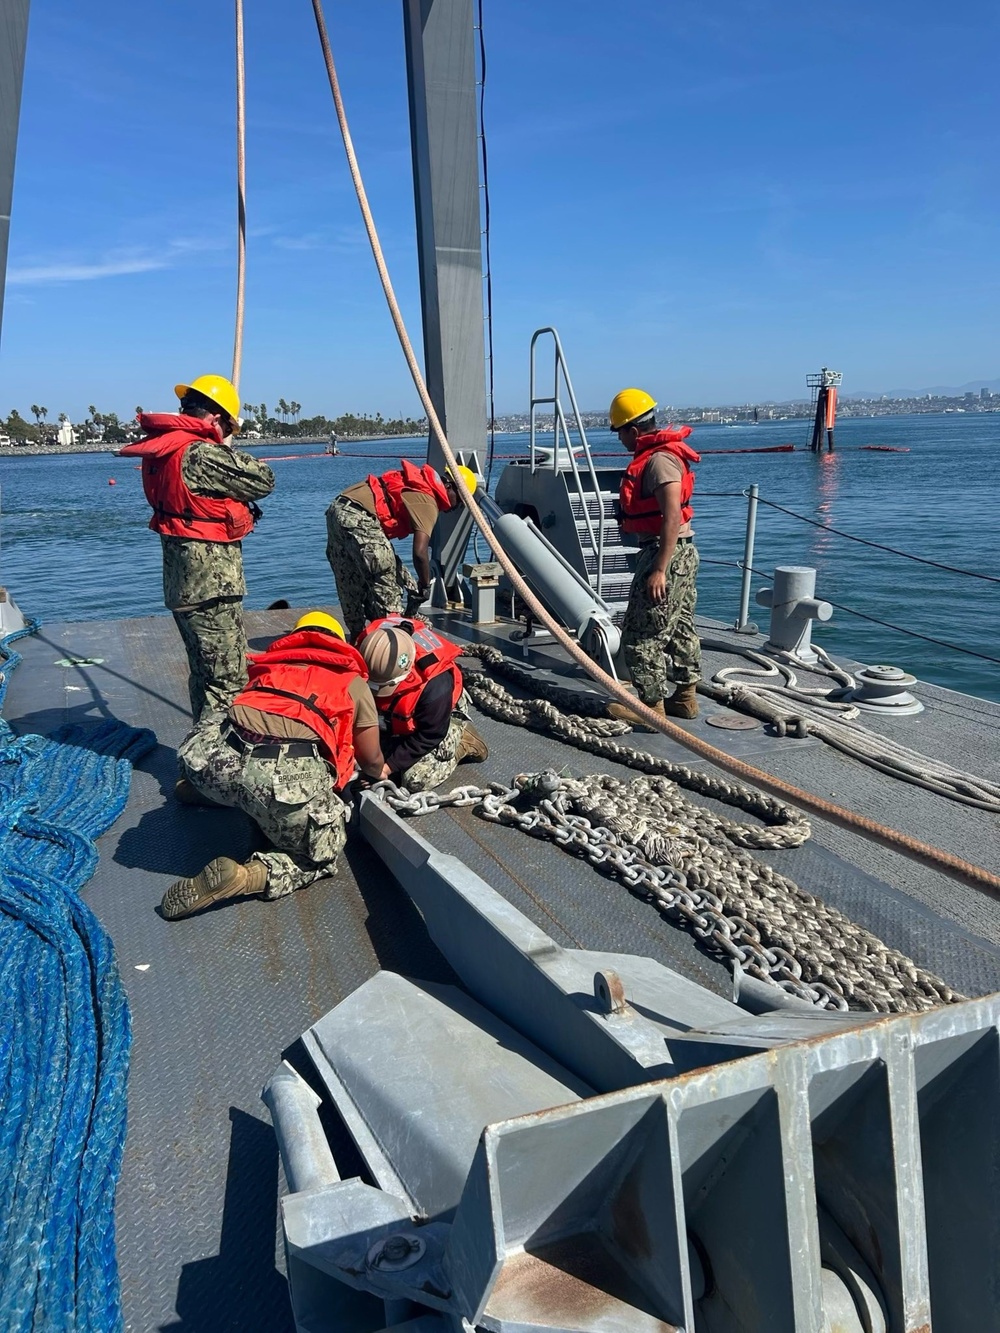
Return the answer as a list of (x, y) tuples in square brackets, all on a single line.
[(441, 76), (13, 38)]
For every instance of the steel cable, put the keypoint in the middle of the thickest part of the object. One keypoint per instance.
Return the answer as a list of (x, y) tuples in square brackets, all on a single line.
[(892, 550), (913, 848)]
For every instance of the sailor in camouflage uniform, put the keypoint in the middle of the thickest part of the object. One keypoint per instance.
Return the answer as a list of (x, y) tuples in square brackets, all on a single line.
[(361, 525), (422, 704), (203, 494), (284, 753), (659, 637)]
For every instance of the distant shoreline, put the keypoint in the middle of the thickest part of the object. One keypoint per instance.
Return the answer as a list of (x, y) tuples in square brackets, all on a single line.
[(36, 450)]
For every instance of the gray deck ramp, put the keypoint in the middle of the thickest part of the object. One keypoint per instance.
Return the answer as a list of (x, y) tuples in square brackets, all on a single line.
[(217, 998)]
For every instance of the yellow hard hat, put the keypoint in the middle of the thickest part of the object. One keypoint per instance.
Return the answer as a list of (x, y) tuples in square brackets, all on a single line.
[(629, 406), (217, 390), (468, 476), (321, 620)]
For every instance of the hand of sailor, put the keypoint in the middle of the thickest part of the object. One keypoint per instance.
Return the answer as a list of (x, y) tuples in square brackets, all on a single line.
[(656, 586)]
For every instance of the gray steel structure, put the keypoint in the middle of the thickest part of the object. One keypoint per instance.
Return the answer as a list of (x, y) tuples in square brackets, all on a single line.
[(840, 1178), (441, 78), (13, 40)]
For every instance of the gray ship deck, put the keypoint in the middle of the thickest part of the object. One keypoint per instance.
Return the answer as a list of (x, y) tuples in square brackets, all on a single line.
[(218, 998)]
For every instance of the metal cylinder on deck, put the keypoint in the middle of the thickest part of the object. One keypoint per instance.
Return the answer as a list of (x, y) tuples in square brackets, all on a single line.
[(573, 603), (794, 607)]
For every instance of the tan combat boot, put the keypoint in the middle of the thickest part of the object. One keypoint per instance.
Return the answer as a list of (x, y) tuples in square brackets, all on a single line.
[(471, 746), (221, 878), (625, 714), (683, 702)]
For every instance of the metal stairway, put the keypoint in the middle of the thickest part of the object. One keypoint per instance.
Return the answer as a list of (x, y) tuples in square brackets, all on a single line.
[(568, 498)]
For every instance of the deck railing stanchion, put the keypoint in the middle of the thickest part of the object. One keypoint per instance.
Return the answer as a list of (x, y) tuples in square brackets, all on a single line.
[(743, 624)]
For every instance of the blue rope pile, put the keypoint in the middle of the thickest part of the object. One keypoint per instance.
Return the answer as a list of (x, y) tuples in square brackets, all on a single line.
[(66, 1030)]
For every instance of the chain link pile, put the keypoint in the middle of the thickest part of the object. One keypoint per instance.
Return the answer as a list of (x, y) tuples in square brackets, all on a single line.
[(690, 862), (784, 826)]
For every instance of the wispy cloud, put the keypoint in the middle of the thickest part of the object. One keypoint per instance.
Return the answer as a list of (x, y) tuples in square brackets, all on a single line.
[(114, 264), (34, 274)]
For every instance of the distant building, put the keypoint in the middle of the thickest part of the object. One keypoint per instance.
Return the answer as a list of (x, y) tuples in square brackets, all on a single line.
[(66, 435), (985, 395)]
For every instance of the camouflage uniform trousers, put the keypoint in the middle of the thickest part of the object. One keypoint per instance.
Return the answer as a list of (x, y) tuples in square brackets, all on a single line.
[(371, 578), (290, 798), (438, 765), (216, 643), (660, 641)]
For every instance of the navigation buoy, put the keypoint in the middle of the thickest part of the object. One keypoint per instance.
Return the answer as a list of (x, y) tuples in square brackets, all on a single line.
[(112, 482)]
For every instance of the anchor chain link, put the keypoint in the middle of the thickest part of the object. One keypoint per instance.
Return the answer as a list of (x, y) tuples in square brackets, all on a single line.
[(689, 861)]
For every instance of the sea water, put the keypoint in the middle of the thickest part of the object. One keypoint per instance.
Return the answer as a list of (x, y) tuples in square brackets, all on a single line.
[(74, 547)]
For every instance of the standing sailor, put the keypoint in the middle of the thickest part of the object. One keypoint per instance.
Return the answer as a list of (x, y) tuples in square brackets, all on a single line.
[(421, 700), (203, 493), (659, 636), (363, 521), (284, 753)]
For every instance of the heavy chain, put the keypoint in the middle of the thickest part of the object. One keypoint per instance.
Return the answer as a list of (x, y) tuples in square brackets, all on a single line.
[(672, 853), (784, 826)]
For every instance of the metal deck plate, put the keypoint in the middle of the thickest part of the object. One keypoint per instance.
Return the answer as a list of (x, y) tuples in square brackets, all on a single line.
[(224, 993)]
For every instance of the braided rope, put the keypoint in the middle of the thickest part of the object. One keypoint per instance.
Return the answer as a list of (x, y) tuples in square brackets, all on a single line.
[(64, 1050)]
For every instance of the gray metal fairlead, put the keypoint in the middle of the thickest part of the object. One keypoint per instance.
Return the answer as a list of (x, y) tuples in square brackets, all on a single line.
[(841, 1177)]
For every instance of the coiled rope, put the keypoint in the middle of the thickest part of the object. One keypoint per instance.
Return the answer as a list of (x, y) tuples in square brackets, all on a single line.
[(64, 1046), (910, 847), (775, 696)]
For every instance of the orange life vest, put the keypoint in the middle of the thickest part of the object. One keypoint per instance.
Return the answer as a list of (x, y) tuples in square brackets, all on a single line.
[(639, 513), (387, 492), (306, 676), (177, 510), (435, 656)]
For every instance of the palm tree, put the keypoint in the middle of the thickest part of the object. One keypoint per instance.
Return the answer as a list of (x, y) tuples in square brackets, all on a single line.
[(36, 412), (43, 412), (282, 408)]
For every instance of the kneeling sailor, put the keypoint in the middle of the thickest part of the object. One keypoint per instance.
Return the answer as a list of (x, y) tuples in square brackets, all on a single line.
[(362, 523), (421, 700), (284, 753)]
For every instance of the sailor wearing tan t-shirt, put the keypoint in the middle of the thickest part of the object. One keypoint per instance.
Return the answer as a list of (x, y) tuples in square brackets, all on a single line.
[(285, 753), (659, 638), (365, 519)]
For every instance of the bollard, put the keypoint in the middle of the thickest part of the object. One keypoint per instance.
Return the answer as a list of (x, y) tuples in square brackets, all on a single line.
[(484, 579), (793, 609)]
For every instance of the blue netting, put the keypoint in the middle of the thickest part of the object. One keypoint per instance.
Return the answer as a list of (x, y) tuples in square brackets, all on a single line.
[(64, 1041)]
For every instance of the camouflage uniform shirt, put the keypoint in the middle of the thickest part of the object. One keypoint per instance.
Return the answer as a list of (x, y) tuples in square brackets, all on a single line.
[(195, 571)]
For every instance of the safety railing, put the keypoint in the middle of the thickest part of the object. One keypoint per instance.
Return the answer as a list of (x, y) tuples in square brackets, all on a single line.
[(561, 431), (743, 622)]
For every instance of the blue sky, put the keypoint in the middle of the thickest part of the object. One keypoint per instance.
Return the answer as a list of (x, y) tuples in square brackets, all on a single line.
[(709, 200)]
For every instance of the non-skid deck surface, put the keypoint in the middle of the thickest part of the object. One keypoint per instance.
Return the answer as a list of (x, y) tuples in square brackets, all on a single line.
[(218, 998)]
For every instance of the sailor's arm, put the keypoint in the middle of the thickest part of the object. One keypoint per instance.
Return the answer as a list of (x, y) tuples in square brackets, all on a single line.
[(421, 559), (668, 497), (223, 472), (368, 752)]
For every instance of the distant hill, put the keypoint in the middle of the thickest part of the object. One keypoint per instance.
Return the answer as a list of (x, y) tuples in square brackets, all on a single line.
[(938, 390)]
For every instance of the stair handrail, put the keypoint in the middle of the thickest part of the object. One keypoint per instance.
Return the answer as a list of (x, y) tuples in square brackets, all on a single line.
[(559, 422)]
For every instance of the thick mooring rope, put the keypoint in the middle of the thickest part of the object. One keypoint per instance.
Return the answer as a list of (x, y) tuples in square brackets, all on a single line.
[(923, 852), (65, 1040), (773, 694)]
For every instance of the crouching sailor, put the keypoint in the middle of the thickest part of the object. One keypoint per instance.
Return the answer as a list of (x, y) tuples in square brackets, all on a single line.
[(202, 493), (284, 753), (659, 637), (362, 523), (421, 700)]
